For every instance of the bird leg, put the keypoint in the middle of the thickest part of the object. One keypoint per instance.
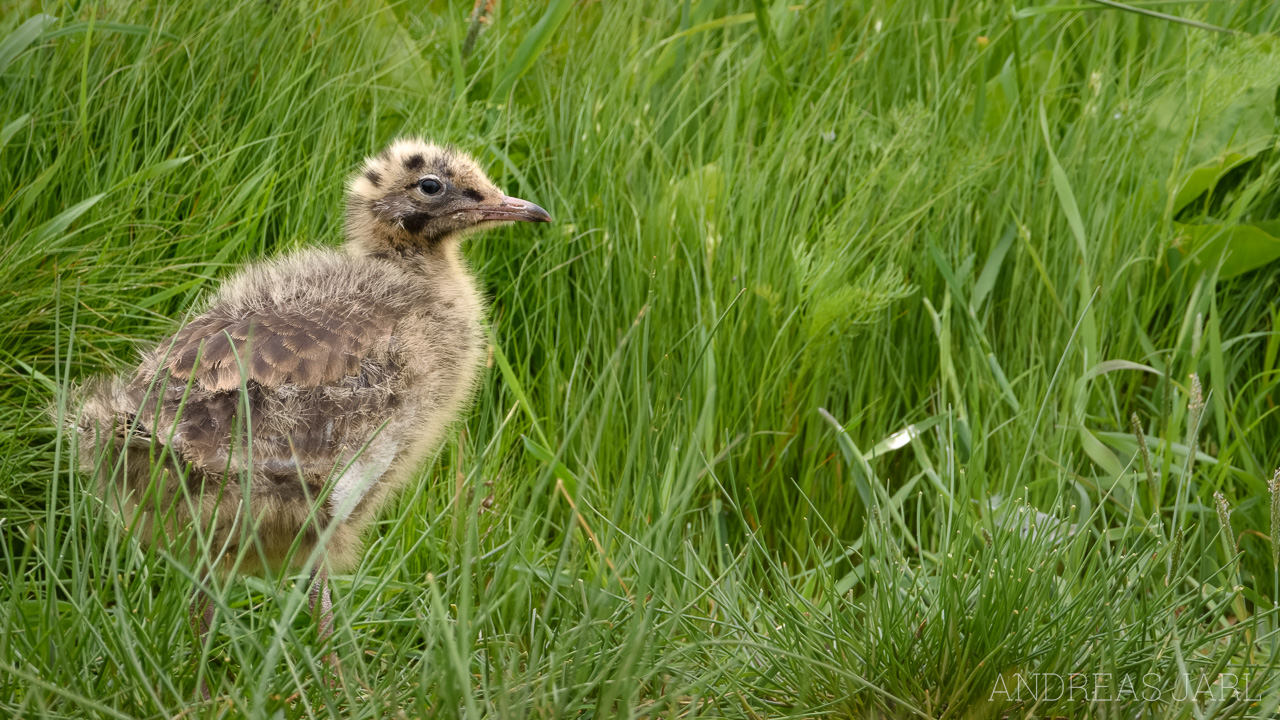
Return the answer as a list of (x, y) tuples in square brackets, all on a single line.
[(323, 615), (201, 618)]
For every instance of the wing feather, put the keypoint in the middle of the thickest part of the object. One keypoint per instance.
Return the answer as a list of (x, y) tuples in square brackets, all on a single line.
[(306, 371), (309, 347)]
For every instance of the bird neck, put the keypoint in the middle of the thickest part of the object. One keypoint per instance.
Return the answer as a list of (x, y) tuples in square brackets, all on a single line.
[(440, 258)]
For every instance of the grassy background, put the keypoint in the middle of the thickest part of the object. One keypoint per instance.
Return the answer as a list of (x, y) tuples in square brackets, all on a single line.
[(785, 233)]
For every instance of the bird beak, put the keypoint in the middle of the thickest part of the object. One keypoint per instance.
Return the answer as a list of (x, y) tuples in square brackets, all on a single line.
[(513, 209)]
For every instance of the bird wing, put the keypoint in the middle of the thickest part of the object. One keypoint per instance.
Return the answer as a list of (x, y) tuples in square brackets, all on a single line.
[(309, 348), (315, 381)]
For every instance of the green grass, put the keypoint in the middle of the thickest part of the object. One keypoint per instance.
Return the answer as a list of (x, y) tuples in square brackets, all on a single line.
[(784, 234)]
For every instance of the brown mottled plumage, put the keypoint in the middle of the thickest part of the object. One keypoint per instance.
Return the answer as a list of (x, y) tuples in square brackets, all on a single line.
[(311, 387)]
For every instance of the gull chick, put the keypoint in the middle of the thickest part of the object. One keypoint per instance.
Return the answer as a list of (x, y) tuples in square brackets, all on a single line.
[(309, 389)]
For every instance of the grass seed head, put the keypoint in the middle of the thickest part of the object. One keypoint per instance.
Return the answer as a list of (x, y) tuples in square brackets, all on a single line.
[(1177, 555), (1224, 519), (1275, 521), (1147, 465), (1196, 408)]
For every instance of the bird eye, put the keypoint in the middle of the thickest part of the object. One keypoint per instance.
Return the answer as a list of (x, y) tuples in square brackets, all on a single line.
[(430, 186)]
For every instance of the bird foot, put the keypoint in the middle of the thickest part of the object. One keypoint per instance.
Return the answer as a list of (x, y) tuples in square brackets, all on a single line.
[(204, 683), (201, 618), (204, 691), (331, 670)]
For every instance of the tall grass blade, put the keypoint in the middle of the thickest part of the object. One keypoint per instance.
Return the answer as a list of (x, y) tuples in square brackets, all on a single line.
[(21, 38), (535, 41)]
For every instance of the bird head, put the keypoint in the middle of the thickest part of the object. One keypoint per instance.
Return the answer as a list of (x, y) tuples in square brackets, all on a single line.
[(414, 197)]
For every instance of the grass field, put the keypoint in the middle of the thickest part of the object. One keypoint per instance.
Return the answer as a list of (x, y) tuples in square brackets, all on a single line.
[(816, 401)]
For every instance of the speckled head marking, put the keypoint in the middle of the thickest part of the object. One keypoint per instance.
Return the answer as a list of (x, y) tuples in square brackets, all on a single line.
[(415, 195)]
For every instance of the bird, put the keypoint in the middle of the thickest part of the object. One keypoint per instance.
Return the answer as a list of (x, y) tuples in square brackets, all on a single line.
[(307, 390)]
